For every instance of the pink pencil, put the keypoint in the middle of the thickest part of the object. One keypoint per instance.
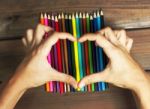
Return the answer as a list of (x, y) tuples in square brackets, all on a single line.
[(49, 55)]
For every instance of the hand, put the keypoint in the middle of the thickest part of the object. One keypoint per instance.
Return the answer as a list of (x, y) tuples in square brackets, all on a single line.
[(121, 70), (35, 70)]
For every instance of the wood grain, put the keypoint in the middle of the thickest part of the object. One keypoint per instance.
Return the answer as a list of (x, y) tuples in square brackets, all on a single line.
[(15, 19), (112, 99)]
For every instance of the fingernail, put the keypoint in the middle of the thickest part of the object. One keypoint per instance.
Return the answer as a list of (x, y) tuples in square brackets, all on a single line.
[(78, 89), (80, 85)]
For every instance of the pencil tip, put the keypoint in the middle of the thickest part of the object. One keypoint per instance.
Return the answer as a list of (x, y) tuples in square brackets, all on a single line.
[(52, 17), (102, 13), (62, 15), (69, 16), (95, 14), (83, 15), (80, 15), (66, 16), (98, 13), (87, 14), (59, 17), (77, 15), (91, 17), (73, 15), (56, 19), (45, 15), (41, 15), (49, 16)]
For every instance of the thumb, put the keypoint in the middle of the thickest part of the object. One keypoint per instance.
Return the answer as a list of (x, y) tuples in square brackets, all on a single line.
[(62, 77), (93, 78)]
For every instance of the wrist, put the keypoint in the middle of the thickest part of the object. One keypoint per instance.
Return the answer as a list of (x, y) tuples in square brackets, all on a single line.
[(11, 94), (143, 94)]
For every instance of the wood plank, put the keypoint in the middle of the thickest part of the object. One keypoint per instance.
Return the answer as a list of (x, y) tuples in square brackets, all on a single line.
[(14, 20), (141, 47), (111, 99)]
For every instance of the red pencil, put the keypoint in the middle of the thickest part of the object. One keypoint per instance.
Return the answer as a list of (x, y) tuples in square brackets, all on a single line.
[(86, 51), (58, 46)]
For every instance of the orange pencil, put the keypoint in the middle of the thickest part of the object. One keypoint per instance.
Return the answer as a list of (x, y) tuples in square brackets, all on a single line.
[(43, 23)]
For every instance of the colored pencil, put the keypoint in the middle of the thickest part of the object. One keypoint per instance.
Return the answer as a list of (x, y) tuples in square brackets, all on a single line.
[(49, 84), (75, 49), (79, 47), (54, 54), (65, 50), (86, 49), (46, 21), (62, 48), (89, 28), (42, 21), (58, 45), (105, 59), (72, 50), (69, 53)]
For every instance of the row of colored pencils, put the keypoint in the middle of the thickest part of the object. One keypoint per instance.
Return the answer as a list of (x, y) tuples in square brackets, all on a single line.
[(74, 58)]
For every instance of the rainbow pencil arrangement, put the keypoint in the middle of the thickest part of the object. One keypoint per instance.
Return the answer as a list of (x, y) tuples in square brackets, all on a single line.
[(74, 58)]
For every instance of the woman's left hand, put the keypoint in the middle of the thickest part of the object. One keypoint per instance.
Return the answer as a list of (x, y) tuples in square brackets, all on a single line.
[(35, 70)]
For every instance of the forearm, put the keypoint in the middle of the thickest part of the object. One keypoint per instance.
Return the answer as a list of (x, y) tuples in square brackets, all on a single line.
[(11, 94), (143, 93)]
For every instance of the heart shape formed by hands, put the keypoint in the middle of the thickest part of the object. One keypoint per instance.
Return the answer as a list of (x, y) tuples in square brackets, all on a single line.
[(78, 60)]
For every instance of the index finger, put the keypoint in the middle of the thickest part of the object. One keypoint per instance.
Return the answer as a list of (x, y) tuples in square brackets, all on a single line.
[(100, 40), (54, 37)]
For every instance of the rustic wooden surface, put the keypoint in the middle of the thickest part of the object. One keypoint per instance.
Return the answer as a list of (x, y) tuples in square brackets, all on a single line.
[(18, 15)]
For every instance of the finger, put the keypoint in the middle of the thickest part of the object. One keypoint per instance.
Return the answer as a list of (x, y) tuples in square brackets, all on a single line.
[(97, 77), (54, 38), (62, 77), (24, 41), (116, 32), (129, 44), (29, 36), (100, 41), (40, 32), (122, 37), (109, 34)]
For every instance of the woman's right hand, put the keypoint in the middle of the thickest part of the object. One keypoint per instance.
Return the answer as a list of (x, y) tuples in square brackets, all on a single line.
[(122, 70)]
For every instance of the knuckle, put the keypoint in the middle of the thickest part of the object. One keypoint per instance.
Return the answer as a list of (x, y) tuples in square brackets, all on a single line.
[(68, 79), (39, 26), (108, 28), (123, 31), (88, 80)]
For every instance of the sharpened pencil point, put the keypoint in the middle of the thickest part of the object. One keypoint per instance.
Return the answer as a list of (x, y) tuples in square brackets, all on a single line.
[(102, 13), (83, 15), (59, 16), (56, 19), (87, 15), (42, 16), (62, 15), (45, 16), (80, 15), (49, 17), (66, 16)]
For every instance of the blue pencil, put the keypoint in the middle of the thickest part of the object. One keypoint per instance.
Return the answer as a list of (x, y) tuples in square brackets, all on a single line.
[(79, 47), (82, 49), (105, 59), (96, 50), (100, 50)]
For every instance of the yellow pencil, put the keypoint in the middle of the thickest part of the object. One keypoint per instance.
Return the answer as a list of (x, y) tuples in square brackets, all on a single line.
[(76, 49)]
